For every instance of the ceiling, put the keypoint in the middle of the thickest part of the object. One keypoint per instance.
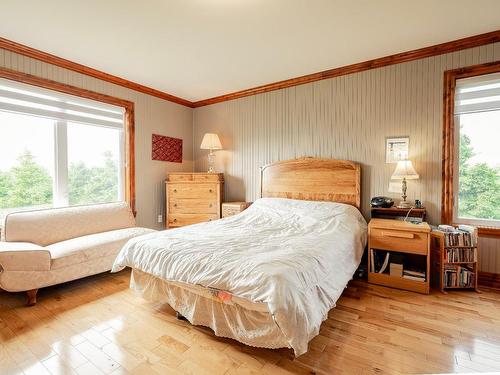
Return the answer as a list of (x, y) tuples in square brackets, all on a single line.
[(198, 49)]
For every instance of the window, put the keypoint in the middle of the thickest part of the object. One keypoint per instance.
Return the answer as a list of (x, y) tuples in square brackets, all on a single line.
[(58, 149), (472, 131)]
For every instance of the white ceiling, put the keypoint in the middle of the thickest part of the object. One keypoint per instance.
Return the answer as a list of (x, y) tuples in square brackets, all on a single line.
[(197, 49)]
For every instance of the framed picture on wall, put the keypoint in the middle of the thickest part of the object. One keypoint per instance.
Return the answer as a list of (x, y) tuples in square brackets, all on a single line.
[(396, 148), (166, 148)]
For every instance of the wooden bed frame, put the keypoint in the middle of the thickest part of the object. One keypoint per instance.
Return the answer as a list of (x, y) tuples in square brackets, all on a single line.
[(312, 179)]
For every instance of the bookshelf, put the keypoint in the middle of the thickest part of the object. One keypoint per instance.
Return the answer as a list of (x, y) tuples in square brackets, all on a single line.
[(453, 266), (407, 245)]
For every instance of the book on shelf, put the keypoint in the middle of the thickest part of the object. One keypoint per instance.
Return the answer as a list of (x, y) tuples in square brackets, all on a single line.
[(381, 260), (458, 276), (460, 255), (446, 228), (414, 278), (462, 236), (415, 275)]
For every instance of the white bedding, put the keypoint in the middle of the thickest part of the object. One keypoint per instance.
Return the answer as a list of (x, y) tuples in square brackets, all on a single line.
[(295, 256)]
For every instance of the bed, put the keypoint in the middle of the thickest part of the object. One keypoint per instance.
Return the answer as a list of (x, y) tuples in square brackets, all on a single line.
[(268, 276)]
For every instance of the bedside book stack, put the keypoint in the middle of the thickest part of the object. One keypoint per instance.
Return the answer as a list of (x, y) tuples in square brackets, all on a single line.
[(414, 275), (454, 257)]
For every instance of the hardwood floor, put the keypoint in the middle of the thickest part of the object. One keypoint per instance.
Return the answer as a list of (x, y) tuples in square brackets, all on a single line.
[(97, 325)]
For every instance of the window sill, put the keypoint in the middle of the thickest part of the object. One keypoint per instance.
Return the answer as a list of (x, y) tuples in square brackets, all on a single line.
[(485, 231), (489, 231)]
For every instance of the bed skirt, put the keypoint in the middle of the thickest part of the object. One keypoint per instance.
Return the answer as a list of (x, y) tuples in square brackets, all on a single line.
[(229, 316)]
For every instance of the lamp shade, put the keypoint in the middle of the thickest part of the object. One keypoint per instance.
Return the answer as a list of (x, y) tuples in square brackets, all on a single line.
[(210, 142), (404, 169)]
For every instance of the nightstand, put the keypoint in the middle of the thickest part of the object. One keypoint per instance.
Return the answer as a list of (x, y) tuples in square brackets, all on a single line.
[(406, 246), (233, 208)]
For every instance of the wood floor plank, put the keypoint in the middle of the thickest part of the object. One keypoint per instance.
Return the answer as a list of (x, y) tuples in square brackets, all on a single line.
[(99, 326)]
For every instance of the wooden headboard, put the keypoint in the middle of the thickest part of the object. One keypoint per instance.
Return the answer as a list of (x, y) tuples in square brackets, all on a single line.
[(312, 179)]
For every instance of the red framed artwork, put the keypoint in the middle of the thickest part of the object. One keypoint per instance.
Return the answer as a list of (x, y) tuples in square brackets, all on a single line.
[(167, 148)]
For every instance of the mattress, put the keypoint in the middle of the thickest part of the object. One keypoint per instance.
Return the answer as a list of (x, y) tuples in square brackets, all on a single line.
[(295, 257)]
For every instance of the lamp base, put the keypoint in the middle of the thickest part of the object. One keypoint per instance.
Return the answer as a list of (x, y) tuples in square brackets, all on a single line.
[(211, 162), (404, 204)]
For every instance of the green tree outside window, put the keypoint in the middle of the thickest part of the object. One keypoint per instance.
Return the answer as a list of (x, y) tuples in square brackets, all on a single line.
[(29, 184), (479, 186)]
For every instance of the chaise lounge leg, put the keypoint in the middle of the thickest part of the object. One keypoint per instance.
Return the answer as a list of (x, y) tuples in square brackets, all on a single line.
[(31, 297)]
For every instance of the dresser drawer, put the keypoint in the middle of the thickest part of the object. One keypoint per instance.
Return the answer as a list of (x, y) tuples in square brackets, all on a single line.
[(212, 177), (192, 190), (173, 177), (387, 239), (179, 220), (187, 206)]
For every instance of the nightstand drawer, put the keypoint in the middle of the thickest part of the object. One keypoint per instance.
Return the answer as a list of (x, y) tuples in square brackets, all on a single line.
[(387, 239)]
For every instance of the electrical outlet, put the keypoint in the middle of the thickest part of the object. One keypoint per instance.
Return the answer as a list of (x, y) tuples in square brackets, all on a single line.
[(160, 218)]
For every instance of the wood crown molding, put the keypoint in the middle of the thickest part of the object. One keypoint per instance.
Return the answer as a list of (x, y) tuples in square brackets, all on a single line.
[(76, 91), (79, 68), (438, 49), (449, 149)]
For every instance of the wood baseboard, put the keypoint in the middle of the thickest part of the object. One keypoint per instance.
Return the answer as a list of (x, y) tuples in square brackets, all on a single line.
[(490, 280)]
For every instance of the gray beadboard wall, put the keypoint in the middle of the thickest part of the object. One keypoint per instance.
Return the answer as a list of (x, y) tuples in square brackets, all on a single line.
[(152, 115), (347, 117)]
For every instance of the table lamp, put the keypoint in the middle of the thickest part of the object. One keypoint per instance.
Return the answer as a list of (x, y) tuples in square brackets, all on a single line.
[(211, 142), (404, 171)]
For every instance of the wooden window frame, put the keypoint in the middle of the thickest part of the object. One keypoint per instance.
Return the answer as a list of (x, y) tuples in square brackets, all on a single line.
[(449, 149), (129, 125)]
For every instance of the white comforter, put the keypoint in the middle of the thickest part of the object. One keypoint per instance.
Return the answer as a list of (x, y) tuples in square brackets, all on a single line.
[(295, 256)]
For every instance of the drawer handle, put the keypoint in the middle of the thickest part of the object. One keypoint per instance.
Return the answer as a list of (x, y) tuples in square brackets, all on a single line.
[(175, 204), (399, 235), (210, 190), (210, 205), (209, 219), (175, 190), (175, 220)]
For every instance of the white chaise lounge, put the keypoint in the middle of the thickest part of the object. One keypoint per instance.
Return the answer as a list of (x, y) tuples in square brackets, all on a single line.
[(48, 247)]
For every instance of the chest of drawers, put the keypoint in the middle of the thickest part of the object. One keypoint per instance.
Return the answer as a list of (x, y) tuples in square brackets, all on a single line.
[(193, 198)]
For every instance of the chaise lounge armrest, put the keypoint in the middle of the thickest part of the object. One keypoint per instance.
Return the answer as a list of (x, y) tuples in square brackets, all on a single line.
[(23, 256)]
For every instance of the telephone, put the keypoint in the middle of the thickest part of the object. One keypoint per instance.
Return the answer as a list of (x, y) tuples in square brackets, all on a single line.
[(382, 202)]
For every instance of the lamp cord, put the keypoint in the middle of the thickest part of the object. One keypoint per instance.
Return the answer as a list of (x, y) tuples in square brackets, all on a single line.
[(408, 214)]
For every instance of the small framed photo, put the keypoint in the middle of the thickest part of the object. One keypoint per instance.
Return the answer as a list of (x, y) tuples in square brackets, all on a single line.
[(396, 148)]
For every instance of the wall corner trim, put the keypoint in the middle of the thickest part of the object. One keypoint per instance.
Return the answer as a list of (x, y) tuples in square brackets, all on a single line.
[(438, 49), (79, 68), (435, 50)]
